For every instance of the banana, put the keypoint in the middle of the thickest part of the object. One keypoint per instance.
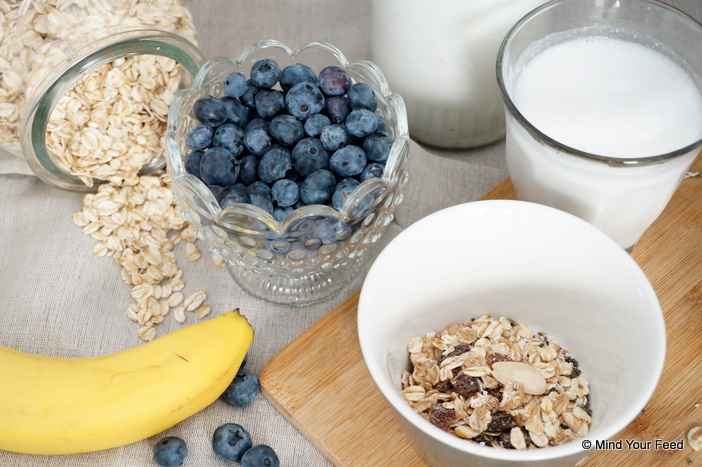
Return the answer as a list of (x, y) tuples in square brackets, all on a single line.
[(51, 405)]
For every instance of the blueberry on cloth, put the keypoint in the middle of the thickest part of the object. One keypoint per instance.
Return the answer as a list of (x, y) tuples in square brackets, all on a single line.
[(274, 165), (304, 99), (230, 441), (199, 136), (243, 389), (334, 81), (265, 73), (294, 74), (362, 96), (260, 455), (170, 451), (318, 187), (219, 167), (348, 161), (210, 111), (234, 84)]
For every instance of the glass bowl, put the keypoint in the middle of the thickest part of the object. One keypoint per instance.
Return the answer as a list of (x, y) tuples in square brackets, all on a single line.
[(316, 250)]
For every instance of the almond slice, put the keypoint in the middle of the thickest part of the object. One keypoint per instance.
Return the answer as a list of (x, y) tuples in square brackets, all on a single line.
[(531, 378)]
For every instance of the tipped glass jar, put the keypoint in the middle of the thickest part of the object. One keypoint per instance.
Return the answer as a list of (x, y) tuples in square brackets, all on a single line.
[(87, 84)]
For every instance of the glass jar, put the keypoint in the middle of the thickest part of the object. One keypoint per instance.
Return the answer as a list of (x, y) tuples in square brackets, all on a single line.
[(89, 82), (441, 59)]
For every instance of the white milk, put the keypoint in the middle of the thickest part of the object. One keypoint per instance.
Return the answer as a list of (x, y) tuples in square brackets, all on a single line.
[(607, 97), (440, 57)]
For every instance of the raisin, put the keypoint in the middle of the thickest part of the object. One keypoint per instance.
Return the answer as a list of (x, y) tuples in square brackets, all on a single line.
[(505, 441), (501, 421), (459, 349), (443, 386), (495, 392), (465, 385), (482, 439), (441, 416), (496, 357)]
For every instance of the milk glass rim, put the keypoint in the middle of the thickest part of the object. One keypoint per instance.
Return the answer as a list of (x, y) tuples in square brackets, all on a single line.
[(542, 137)]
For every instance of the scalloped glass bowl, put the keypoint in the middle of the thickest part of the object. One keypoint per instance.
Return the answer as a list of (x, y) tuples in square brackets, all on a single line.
[(316, 250)]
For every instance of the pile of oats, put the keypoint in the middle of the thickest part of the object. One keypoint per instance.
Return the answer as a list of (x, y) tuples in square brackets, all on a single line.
[(106, 128), (452, 383)]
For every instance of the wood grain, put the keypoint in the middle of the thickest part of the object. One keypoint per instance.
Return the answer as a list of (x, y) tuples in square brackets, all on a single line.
[(321, 385)]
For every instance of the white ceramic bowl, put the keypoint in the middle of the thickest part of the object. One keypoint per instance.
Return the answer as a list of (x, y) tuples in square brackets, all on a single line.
[(536, 265)]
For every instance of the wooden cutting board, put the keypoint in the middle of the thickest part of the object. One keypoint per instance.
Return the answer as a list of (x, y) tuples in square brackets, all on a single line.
[(321, 385)]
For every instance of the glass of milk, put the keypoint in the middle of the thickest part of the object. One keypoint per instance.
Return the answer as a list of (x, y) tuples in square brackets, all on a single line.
[(603, 109), (440, 57)]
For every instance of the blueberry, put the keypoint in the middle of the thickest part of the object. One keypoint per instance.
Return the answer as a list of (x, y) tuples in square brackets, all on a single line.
[(337, 109), (269, 102), (248, 169), (286, 129), (237, 113), (257, 123), (215, 189), (260, 455), (243, 389), (170, 451), (372, 170), (362, 96), (265, 73), (334, 81), (259, 188), (210, 111), (233, 194), (230, 137), (274, 165), (309, 155), (249, 97), (342, 191), (258, 141), (234, 85), (361, 122), (199, 137), (314, 124), (326, 228), (382, 127), (280, 213), (264, 202), (230, 441), (304, 99), (297, 73), (285, 192), (219, 167), (378, 147), (318, 187), (333, 137), (192, 163), (348, 161)]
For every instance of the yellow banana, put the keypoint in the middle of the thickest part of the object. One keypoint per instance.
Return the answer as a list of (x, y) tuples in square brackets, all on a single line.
[(51, 405)]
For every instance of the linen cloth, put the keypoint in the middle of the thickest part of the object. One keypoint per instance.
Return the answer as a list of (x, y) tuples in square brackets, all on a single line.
[(56, 298)]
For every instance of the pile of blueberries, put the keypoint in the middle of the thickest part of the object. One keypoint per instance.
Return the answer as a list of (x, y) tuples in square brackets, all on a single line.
[(283, 139)]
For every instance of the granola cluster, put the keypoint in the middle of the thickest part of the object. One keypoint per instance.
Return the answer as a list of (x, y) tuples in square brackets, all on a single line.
[(452, 383)]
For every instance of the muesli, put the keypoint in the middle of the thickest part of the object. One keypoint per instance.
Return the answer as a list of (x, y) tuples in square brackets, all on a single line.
[(497, 383)]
